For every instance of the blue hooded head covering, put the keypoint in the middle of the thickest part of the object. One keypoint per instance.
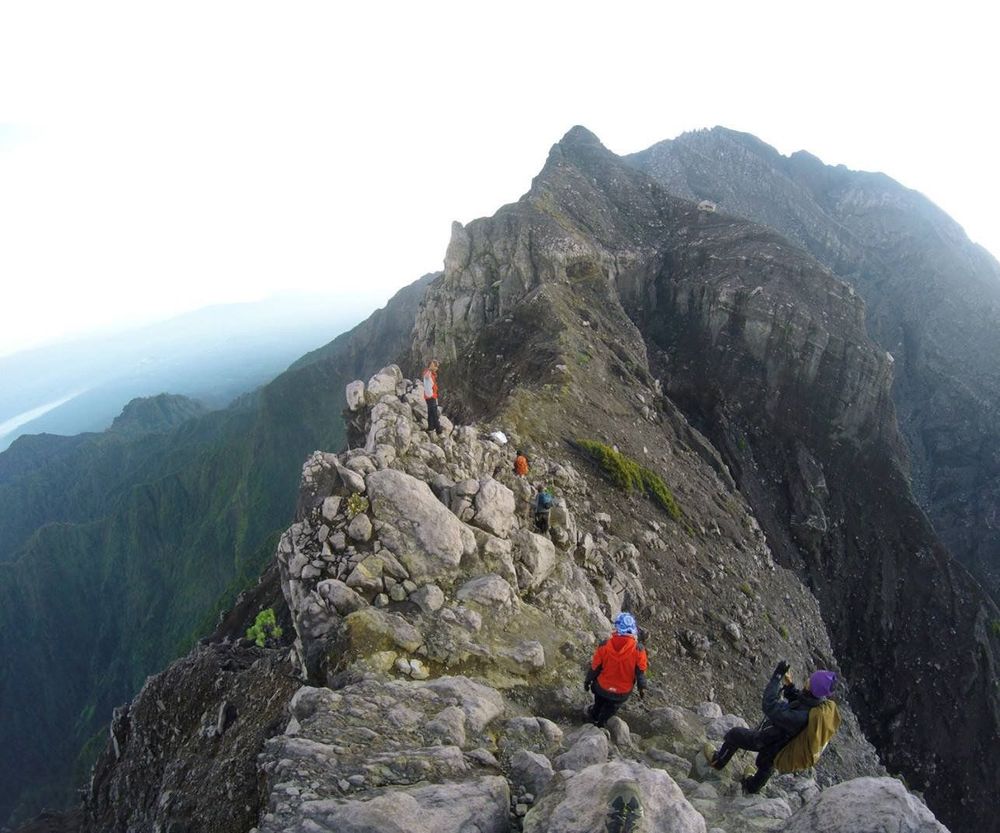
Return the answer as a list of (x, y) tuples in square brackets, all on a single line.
[(625, 624)]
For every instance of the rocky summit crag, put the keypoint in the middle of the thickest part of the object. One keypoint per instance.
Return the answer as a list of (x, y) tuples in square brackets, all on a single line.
[(762, 510)]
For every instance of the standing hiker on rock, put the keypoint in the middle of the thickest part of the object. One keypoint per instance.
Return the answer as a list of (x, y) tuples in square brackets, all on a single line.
[(618, 665), (431, 396), (795, 730), (543, 506)]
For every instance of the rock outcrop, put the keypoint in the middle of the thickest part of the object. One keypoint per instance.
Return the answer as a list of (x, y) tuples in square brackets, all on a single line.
[(446, 686)]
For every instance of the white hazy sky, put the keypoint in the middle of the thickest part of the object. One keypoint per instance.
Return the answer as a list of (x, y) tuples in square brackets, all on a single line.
[(156, 157)]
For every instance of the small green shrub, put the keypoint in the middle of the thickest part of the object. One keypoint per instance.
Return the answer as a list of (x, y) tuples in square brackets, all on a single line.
[(995, 625), (629, 476), (265, 627), (783, 631), (745, 587), (356, 504)]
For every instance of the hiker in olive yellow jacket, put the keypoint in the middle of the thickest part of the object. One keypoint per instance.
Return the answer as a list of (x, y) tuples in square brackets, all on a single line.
[(619, 665), (796, 729)]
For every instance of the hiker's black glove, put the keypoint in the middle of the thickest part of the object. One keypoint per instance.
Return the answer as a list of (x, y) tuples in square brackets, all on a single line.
[(642, 694), (586, 685), (781, 669)]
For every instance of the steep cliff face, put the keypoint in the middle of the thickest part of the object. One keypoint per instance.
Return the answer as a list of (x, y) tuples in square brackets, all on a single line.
[(766, 349), (932, 297)]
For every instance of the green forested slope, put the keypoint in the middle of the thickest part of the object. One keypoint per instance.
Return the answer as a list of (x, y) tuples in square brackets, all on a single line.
[(116, 551)]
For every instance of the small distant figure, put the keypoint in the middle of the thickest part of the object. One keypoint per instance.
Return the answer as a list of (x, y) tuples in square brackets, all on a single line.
[(618, 665), (795, 730), (431, 396), (521, 465), (543, 506)]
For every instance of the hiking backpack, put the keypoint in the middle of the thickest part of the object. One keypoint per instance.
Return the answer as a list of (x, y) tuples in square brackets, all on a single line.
[(804, 750)]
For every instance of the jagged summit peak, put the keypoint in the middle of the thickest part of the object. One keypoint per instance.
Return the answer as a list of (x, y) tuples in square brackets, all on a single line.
[(579, 135)]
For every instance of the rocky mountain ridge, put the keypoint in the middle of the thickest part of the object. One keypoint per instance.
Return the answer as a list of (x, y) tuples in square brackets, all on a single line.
[(733, 367), (440, 665), (766, 351)]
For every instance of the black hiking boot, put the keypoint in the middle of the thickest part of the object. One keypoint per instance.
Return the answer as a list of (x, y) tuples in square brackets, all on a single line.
[(624, 810)]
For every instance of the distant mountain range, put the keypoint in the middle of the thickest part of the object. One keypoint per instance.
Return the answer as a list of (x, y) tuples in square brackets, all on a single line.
[(211, 355)]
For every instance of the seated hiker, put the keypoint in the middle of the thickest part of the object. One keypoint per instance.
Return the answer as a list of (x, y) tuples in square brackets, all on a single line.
[(795, 730), (521, 465), (543, 504), (618, 665)]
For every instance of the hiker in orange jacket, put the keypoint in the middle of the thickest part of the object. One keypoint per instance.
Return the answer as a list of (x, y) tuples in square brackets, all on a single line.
[(430, 381), (521, 465), (619, 665)]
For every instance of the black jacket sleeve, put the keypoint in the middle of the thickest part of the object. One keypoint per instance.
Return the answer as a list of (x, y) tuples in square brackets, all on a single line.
[(780, 713)]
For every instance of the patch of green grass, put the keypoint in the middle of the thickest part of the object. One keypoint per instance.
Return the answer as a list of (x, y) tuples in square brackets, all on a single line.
[(629, 476), (264, 627), (995, 626), (745, 587), (783, 631), (356, 504)]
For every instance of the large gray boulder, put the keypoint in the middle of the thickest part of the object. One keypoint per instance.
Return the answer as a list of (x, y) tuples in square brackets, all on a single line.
[(355, 393), (531, 771), (582, 802), (865, 805), (481, 804), (410, 521), (340, 597), (480, 703), (489, 591), (494, 504), (383, 383), (536, 555), (589, 747)]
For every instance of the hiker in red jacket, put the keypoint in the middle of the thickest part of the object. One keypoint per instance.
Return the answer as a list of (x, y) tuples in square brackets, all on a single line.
[(619, 665), (430, 380)]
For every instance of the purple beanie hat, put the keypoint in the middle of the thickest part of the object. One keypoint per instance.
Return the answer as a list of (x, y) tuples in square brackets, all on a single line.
[(821, 683)]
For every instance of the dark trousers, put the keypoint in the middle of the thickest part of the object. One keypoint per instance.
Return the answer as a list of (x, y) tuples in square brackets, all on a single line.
[(433, 423), (604, 709), (766, 742)]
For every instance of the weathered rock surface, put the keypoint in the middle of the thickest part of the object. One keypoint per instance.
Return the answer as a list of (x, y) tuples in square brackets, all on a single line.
[(873, 805), (414, 524), (581, 802)]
